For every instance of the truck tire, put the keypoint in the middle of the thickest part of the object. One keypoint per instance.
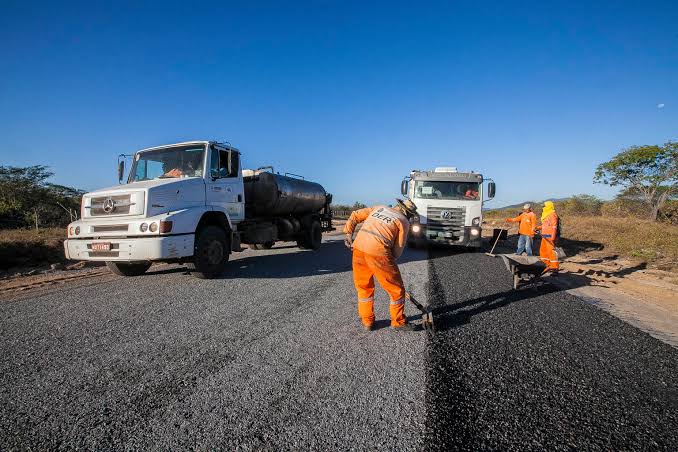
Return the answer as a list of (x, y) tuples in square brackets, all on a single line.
[(123, 269), (312, 238), (210, 253)]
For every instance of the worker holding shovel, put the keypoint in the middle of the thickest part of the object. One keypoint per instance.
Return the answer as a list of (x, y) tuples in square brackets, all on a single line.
[(528, 224), (379, 243)]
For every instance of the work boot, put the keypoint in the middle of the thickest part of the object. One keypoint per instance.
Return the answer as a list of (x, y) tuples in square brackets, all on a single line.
[(405, 327), (369, 327)]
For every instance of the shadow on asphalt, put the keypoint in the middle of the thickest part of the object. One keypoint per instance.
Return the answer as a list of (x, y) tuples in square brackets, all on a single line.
[(449, 316), (290, 262), (452, 316)]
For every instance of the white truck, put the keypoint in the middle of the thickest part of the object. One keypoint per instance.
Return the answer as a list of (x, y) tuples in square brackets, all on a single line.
[(449, 205), (192, 203)]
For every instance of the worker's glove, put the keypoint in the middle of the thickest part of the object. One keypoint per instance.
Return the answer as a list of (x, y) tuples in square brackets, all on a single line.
[(348, 241)]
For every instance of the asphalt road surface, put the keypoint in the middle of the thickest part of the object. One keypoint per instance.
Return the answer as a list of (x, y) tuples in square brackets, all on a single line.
[(273, 356)]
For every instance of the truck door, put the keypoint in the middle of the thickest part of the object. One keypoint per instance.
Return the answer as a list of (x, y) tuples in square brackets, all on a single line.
[(224, 184)]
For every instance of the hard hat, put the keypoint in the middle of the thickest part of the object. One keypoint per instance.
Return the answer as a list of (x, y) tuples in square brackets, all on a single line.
[(527, 206), (407, 205)]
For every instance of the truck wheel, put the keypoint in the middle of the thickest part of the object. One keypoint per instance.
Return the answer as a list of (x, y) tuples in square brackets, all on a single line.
[(128, 269), (312, 238), (210, 253)]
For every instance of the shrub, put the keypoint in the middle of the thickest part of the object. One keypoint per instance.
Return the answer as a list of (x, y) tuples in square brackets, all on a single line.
[(581, 205)]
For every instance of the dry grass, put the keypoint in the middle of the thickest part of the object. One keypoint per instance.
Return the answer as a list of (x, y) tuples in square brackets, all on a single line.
[(644, 240), (28, 247)]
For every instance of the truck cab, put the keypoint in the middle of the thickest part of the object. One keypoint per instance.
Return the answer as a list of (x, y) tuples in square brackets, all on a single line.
[(449, 205), (185, 202)]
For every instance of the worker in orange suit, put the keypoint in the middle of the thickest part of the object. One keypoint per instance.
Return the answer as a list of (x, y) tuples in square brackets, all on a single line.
[(550, 233), (528, 224), (379, 242)]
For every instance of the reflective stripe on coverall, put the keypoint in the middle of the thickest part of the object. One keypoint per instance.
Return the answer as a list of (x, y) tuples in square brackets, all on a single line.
[(379, 243), (547, 249)]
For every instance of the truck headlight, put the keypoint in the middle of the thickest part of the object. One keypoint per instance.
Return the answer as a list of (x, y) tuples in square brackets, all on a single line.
[(475, 232), (416, 228), (143, 227), (476, 221), (153, 227), (77, 230)]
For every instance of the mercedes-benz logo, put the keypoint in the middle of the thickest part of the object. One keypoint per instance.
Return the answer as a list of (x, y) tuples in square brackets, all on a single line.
[(446, 214), (109, 205)]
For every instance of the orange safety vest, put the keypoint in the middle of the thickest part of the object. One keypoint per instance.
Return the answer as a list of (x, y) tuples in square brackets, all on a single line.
[(528, 223), (549, 227), (383, 233)]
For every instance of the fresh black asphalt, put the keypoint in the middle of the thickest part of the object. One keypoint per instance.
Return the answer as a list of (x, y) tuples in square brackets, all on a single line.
[(539, 369), (272, 357)]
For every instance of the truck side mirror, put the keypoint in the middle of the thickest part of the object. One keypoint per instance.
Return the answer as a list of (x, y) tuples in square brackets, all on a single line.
[(233, 164), (491, 189), (121, 170), (403, 187)]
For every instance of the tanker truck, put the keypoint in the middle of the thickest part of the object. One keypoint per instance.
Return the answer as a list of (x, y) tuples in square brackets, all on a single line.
[(191, 203)]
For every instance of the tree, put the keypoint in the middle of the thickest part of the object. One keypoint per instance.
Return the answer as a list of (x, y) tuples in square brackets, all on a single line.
[(650, 172), (26, 198)]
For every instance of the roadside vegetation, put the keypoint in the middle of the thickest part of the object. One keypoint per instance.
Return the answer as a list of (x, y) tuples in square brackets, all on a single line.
[(28, 247), (33, 216)]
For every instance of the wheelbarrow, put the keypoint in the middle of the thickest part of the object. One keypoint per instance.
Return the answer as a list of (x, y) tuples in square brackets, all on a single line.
[(526, 270)]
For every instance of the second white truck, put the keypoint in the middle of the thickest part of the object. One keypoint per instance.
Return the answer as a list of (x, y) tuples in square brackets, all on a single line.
[(192, 203), (449, 205)]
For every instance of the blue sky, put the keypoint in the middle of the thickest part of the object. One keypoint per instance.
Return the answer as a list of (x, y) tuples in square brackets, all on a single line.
[(350, 94)]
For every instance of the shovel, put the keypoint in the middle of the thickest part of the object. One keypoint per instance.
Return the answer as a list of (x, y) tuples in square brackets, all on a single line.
[(495, 241), (426, 314)]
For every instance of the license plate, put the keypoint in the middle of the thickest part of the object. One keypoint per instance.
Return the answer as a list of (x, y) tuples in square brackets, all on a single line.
[(103, 246)]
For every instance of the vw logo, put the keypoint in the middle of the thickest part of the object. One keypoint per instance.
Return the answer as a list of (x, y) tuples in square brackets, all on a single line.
[(109, 205), (446, 214)]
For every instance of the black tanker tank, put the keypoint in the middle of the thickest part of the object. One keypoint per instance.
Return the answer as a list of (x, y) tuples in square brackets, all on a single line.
[(271, 195)]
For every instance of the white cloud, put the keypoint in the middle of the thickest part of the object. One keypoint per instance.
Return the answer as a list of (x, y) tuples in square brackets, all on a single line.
[(660, 106)]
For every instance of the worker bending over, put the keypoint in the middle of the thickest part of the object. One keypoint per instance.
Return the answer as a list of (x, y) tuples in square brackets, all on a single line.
[(528, 224), (550, 233), (379, 243)]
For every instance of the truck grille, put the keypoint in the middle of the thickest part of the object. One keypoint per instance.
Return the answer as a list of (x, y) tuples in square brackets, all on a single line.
[(445, 220), (110, 205), (110, 228)]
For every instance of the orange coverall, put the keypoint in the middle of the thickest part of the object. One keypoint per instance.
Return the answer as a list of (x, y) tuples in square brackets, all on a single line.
[(528, 223), (547, 249), (379, 243)]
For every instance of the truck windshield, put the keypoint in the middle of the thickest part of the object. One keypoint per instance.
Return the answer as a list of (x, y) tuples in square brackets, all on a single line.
[(426, 189), (177, 161)]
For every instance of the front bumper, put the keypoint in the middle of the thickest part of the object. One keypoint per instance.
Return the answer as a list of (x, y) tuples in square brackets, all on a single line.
[(156, 248), (468, 239)]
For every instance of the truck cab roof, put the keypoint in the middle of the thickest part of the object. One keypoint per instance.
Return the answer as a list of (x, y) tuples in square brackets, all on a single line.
[(447, 174), (219, 144)]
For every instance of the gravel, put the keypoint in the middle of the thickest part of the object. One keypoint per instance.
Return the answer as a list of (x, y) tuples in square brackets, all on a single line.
[(273, 356)]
